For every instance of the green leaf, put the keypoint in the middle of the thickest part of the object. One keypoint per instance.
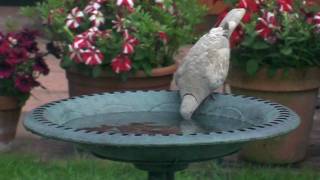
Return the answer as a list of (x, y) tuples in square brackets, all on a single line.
[(252, 67), (147, 69), (66, 62), (286, 51), (260, 45)]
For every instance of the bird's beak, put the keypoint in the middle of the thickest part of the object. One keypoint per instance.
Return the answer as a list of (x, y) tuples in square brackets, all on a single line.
[(232, 25)]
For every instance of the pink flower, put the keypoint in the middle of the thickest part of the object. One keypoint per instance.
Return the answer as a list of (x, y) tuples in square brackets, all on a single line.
[(285, 5), (97, 18), (163, 37), (266, 25), (129, 43), (126, 3), (93, 33), (75, 54), (74, 18), (25, 83), (127, 48), (92, 56), (118, 23), (91, 7), (6, 70), (121, 63), (76, 49), (81, 43)]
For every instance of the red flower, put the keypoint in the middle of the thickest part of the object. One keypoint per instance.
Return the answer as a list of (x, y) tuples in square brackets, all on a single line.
[(236, 36), (6, 70), (25, 83), (91, 7), (126, 3), (81, 43), (163, 37), (266, 25), (129, 43), (12, 39), (4, 47), (127, 48), (75, 54), (118, 23), (74, 18), (76, 49), (285, 5), (16, 56), (41, 66), (317, 19), (121, 63), (2, 38), (93, 33), (249, 5), (27, 40), (92, 56)]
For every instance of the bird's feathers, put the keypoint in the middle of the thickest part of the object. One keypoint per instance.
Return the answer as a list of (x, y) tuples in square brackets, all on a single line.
[(205, 67)]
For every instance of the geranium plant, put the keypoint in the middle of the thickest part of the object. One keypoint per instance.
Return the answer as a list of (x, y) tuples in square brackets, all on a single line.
[(21, 63), (119, 36), (276, 34)]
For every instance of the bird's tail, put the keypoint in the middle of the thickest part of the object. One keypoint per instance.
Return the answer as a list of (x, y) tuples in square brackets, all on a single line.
[(188, 106)]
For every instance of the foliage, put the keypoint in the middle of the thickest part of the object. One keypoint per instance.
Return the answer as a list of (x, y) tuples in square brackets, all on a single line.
[(118, 36), (21, 64), (279, 34)]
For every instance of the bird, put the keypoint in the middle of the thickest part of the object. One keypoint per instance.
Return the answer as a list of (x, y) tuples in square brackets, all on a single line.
[(206, 65)]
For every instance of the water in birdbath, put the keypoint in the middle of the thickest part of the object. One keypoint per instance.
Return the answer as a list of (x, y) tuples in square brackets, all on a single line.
[(152, 123)]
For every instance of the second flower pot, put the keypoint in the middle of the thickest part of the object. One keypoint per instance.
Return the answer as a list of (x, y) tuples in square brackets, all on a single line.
[(298, 90)]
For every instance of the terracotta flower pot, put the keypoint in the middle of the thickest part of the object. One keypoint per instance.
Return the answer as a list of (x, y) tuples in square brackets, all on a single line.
[(80, 84), (9, 117), (299, 92)]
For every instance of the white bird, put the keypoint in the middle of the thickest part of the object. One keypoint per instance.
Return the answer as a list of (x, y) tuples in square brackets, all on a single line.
[(206, 66)]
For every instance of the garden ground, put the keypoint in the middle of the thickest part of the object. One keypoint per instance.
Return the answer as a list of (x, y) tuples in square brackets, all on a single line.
[(42, 150)]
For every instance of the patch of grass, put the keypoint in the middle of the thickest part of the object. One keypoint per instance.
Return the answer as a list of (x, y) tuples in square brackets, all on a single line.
[(25, 167)]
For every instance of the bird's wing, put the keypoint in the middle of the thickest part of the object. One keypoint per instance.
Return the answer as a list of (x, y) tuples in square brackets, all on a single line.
[(217, 68), (191, 78)]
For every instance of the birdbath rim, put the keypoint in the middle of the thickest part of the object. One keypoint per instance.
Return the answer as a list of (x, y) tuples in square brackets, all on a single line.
[(285, 120)]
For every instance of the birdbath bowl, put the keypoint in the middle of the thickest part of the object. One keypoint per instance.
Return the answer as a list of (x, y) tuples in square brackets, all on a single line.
[(143, 127)]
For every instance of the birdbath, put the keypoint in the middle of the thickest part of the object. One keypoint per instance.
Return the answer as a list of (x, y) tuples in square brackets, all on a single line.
[(143, 127)]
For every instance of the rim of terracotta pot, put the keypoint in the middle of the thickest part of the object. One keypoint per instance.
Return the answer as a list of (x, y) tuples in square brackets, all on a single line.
[(8, 103), (156, 72), (296, 80)]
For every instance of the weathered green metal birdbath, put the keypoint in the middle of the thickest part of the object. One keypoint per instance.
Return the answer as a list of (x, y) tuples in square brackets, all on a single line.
[(143, 127)]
